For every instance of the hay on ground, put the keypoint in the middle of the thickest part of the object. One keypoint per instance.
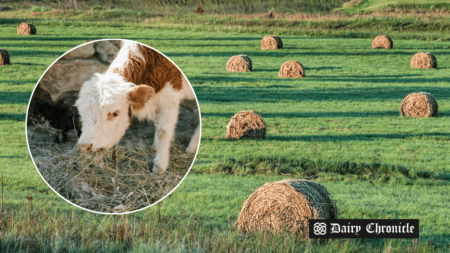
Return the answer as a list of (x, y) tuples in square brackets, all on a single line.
[(246, 125), (292, 69), (286, 205), (423, 61), (382, 41), (419, 104), (96, 182), (26, 29), (239, 63), (4, 57), (271, 42)]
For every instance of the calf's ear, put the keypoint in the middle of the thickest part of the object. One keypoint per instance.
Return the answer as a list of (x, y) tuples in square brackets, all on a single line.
[(139, 95)]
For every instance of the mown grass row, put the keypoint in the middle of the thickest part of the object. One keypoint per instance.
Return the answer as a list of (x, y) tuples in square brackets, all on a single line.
[(325, 170)]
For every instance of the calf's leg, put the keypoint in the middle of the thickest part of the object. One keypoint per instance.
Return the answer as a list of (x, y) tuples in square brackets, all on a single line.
[(165, 129), (193, 144)]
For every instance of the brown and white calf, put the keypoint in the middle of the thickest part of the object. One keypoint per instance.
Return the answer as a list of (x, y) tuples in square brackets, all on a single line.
[(140, 82)]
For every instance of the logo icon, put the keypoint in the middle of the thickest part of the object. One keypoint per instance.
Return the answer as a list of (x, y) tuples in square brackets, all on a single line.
[(320, 228)]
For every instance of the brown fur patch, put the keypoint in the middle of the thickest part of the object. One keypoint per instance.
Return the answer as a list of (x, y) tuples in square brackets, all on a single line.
[(111, 115), (139, 95), (81, 84), (156, 71)]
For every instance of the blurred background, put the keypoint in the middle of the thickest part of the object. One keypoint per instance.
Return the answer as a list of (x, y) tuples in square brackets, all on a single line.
[(185, 6)]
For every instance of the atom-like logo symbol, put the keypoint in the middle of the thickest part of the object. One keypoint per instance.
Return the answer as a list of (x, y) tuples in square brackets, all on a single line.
[(320, 228)]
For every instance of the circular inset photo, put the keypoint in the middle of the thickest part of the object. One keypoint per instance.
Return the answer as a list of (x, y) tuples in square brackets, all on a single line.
[(113, 126)]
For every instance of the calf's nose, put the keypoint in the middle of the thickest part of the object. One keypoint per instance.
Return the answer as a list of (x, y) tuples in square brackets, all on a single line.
[(85, 148)]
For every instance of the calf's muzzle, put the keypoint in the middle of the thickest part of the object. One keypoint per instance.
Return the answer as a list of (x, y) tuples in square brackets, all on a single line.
[(85, 148)]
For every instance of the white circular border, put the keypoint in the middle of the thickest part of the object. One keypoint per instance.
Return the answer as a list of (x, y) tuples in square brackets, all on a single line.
[(161, 199)]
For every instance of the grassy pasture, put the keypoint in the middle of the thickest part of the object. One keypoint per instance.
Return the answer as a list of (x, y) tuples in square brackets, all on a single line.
[(345, 110)]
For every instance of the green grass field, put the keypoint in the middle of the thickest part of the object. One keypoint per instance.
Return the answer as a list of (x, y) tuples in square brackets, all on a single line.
[(344, 110)]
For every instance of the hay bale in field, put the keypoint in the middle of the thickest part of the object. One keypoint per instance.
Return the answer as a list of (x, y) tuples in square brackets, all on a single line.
[(271, 42), (292, 69), (4, 57), (382, 41), (239, 63), (246, 125), (26, 29), (286, 205), (423, 61), (419, 104)]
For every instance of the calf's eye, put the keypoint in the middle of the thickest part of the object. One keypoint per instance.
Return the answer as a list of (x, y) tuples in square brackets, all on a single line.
[(112, 115)]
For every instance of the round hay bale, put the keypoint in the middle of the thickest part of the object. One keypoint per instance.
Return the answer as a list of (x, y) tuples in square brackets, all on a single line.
[(382, 41), (246, 125), (239, 63), (286, 205), (271, 42), (26, 29), (423, 61), (4, 57), (419, 104), (292, 69)]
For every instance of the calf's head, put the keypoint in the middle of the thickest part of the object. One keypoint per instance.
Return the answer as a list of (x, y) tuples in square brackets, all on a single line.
[(105, 105)]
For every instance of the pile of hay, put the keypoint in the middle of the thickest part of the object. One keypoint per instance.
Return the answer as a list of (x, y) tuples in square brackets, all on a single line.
[(382, 41), (246, 125), (4, 57), (96, 182), (271, 42), (423, 61), (26, 29), (239, 63), (292, 69), (286, 205), (419, 104)]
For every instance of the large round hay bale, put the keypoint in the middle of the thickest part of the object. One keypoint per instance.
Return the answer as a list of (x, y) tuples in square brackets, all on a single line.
[(423, 61), (239, 63), (382, 41), (246, 125), (271, 42), (26, 29), (4, 57), (419, 104), (286, 205), (292, 69)]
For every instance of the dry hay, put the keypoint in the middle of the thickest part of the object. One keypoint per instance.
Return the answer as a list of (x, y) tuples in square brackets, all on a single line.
[(382, 41), (96, 182), (4, 57), (239, 63), (286, 205), (26, 29), (292, 69), (419, 104), (246, 125), (271, 42), (423, 61)]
